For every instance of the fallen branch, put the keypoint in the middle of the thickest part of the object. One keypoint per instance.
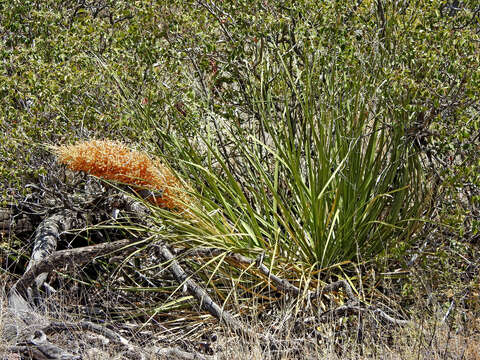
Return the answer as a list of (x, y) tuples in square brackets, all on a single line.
[(78, 256), (37, 347), (46, 236), (345, 310), (287, 286), (120, 340), (170, 353), (355, 309), (201, 295), (89, 326), (17, 303)]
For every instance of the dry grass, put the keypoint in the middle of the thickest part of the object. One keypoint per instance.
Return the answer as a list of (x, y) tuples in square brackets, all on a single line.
[(338, 339), (432, 340)]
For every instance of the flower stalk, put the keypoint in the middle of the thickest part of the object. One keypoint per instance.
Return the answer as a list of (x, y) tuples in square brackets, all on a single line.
[(113, 160)]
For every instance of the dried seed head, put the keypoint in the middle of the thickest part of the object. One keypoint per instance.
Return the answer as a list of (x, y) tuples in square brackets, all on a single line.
[(114, 161)]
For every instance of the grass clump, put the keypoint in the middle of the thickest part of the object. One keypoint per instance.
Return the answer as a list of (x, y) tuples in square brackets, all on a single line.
[(318, 170)]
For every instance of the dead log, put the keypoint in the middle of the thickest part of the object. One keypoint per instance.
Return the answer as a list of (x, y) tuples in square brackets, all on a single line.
[(46, 236)]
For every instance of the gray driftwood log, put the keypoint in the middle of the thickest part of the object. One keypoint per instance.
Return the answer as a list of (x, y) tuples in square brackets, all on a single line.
[(46, 238)]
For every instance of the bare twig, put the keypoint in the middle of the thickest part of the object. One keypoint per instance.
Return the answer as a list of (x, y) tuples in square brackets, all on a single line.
[(180, 354)]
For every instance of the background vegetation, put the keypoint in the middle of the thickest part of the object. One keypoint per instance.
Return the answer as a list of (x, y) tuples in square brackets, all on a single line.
[(337, 140)]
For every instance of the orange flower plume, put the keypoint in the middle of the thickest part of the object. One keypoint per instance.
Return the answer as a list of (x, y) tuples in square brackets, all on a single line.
[(114, 161)]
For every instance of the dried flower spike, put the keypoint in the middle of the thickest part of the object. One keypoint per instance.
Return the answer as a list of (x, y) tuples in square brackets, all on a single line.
[(114, 161)]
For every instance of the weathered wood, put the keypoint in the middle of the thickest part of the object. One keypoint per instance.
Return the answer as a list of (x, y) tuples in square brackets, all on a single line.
[(284, 285), (13, 222), (33, 344), (26, 327), (46, 236), (355, 309), (38, 347), (175, 353), (201, 295), (46, 350), (78, 256), (89, 326), (281, 284)]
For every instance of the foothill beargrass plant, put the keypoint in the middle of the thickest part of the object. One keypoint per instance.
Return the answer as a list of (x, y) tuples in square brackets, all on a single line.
[(314, 170), (343, 184), (306, 156)]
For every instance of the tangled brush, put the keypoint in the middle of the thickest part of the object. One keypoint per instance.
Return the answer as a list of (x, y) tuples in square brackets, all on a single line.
[(112, 160)]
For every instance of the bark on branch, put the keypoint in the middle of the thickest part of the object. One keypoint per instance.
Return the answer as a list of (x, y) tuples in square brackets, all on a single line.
[(78, 256), (202, 296)]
